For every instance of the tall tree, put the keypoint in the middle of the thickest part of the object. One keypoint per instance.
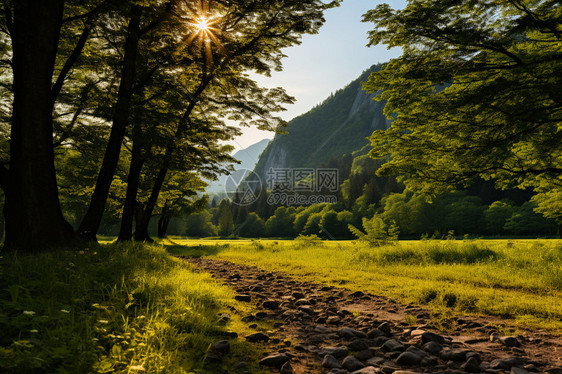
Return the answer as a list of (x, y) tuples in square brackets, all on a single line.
[(33, 214), (476, 93)]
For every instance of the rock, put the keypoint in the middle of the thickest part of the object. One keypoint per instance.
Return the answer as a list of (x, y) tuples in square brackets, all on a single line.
[(307, 309), (510, 341), (432, 347), (321, 329), (351, 363), (408, 359), (334, 351), (330, 362), (516, 370), (287, 368), (375, 361), (332, 320), (261, 315), (270, 304), (221, 347), (366, 370), (507, 363), (375, 333), (471, 365), (384, 327), (416, 351), (298, 295), (392, 345), (257, 337), (348, 333), (429, 336), (364, 355), (358, 345), (213, 357), (243, 297), (338, 371), (276, 360), (457, 355)]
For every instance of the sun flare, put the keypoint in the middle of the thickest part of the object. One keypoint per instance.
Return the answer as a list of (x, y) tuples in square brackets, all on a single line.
[(202, 24)]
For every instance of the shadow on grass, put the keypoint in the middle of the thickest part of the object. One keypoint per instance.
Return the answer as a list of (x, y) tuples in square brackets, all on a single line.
[(198, 250)]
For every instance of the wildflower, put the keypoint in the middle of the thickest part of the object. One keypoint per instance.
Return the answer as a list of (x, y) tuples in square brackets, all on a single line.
[(104, 321), (28, 312)]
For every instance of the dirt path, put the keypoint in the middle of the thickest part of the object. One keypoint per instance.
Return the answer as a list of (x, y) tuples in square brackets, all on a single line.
[(319, 329)]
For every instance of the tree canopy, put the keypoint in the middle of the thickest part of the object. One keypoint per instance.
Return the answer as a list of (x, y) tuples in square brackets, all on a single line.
[(476, 93)]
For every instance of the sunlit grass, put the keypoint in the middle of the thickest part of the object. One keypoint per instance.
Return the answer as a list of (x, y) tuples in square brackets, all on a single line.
[(120, 308), (516, 279)]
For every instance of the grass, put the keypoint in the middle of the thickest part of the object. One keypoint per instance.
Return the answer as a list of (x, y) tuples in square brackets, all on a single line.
[(519, 280), (119, 308)]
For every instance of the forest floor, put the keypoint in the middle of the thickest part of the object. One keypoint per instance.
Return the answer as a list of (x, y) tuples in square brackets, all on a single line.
[(308, 327)]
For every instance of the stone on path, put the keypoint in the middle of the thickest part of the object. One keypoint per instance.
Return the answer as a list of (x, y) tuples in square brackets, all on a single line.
[(351, 363), (257, 337), (330, 362), (275, 360)]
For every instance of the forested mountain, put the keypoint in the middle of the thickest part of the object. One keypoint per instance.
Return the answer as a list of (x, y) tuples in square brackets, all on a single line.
[(248, 158), (338, 126)]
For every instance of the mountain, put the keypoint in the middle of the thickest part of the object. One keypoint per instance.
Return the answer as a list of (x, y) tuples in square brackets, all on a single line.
[(248, 158), (338, 126)]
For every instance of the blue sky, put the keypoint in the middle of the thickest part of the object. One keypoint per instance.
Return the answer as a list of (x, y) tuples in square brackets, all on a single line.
[(325, 62)]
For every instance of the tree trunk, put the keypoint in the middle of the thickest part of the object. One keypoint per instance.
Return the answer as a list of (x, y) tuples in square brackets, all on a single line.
[(137, 161), (163, 222), (34, 218), (92, 219)]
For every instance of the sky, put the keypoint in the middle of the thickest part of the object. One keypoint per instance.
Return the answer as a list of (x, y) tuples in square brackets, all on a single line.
[(325, 62)]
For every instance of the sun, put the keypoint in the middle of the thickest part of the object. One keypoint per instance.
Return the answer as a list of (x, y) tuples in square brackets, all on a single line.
[(202, 24)]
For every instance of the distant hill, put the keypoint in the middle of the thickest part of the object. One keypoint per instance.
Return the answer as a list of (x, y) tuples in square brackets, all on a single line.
[(248, 158), (338, 126)]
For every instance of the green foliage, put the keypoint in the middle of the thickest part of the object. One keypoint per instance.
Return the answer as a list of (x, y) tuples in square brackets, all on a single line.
[(496, 216), (525, 221), (467, 109), (226, 222), (376, 233), (281, 223), (252, 227), (199, 225)]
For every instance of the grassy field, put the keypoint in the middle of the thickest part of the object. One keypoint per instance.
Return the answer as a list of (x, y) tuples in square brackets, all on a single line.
[(113, 308), (515, 279)]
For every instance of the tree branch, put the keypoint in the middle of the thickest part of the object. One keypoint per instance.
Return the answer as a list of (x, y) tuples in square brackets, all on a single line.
[(71, 60)]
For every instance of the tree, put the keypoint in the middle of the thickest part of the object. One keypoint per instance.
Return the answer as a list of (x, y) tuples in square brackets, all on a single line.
[(281, 223), (252, 227), (226, 222), (199, 225), (476, 93), (34, 218), (496, 216)]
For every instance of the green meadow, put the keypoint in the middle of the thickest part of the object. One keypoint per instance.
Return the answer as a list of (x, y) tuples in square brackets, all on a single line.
[(119, 308), (518, 280)]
